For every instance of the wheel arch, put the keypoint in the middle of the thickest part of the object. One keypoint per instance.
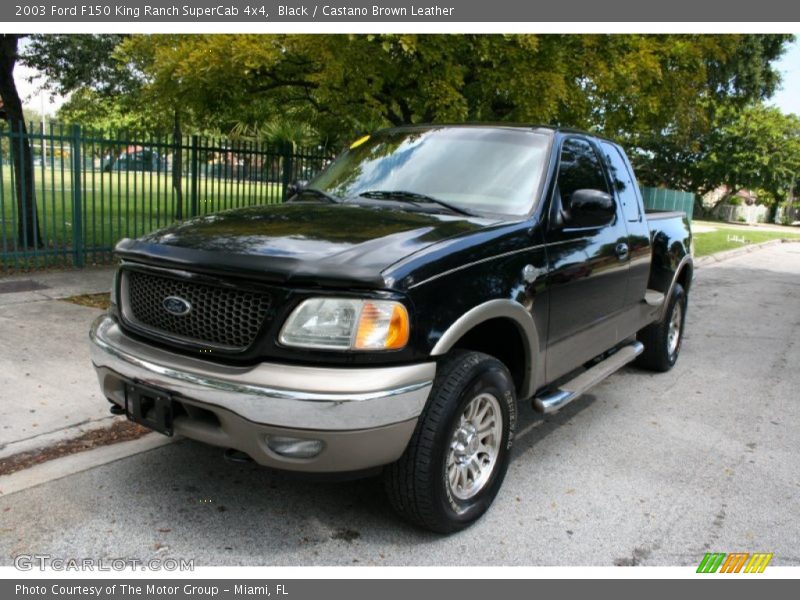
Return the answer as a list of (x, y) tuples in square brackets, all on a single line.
[(474, 329), (683, 275)]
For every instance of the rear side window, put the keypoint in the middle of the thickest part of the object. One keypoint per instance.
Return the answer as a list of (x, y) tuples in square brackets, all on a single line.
[(579, 169), (623, 182)]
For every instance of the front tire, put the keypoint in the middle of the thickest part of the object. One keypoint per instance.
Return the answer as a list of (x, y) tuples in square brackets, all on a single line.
[(457, 458), (663, 339)]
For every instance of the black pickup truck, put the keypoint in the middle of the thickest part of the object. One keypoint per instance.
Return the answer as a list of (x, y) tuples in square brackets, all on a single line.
[(393, 312)]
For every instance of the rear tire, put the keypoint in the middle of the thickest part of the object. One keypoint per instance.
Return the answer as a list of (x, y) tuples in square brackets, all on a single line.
[(455, 462), (663, 339)]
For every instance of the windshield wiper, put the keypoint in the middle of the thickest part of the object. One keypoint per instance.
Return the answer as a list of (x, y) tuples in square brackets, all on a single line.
[(414, 197), (316, 193)]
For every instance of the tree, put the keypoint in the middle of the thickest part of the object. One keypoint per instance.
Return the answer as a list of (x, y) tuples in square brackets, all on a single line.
[(755, 148), (28, 235), (636, 88), (73, 61), (343, 85), (103, 91), (290, 131), (737, 74)]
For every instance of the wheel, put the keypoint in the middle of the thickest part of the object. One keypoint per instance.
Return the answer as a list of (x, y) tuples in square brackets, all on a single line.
[(663, 339), (457, 458)]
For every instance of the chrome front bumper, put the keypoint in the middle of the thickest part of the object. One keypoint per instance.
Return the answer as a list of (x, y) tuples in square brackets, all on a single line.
[(372, 411)]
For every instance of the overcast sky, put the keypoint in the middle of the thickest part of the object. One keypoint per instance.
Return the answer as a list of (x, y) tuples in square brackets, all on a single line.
[(787, 98)]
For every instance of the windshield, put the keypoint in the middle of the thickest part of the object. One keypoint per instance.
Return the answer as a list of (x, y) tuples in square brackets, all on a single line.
[(477, 169)]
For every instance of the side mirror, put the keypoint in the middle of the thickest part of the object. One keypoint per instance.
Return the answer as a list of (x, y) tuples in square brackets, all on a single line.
[(297, 186), (590, 208)]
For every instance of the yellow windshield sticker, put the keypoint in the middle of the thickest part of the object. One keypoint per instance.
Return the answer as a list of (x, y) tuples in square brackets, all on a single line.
[(358, 142)]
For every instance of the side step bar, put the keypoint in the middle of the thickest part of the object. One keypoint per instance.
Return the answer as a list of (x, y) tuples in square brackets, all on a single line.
[(550, 402)]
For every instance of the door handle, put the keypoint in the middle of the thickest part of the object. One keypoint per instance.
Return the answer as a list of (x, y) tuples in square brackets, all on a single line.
[(621, 251)]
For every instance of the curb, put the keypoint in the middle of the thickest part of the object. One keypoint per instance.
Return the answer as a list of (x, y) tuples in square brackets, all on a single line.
[(76, 463), (720, 256), (50, 438)]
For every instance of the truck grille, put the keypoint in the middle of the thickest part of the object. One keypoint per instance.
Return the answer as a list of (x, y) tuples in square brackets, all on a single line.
[(220, 317)]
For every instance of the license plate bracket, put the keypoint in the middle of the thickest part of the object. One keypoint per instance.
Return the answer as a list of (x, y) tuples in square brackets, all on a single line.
[(149, 406)]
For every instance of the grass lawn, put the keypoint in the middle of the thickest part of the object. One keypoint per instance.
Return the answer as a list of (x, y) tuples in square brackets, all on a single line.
[(711, 242)]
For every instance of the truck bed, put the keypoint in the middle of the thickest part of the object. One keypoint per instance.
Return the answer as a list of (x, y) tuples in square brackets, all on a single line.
[(657, 215)]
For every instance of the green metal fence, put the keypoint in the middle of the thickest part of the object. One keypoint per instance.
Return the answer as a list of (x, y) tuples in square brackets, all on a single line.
[(91, 189), (664, 199)]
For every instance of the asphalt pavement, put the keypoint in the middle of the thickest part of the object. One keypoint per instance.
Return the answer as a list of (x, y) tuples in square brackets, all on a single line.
[(651, 469)]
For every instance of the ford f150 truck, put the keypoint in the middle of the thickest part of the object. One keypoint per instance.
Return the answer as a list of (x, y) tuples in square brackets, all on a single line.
[(391, 314)]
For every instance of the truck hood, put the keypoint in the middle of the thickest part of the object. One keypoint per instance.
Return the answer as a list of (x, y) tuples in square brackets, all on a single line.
[(322, 244)]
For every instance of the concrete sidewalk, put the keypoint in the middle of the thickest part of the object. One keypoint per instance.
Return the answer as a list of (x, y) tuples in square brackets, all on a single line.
[(48, 389), (50, 285)]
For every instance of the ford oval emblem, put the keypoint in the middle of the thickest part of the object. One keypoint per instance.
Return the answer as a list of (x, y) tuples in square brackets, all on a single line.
[(177, 306)]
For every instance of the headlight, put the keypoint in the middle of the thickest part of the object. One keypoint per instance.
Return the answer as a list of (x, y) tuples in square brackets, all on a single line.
[(346, 324)]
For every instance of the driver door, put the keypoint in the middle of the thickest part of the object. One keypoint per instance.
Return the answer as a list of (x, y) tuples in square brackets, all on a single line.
[(588, 266)]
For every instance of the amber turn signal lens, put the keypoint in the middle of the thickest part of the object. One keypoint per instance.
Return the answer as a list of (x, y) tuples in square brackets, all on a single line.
[(398, 328), (382, 325)]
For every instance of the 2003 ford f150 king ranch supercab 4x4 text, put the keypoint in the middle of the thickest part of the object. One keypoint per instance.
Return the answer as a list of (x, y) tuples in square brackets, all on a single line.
[(393, 312)]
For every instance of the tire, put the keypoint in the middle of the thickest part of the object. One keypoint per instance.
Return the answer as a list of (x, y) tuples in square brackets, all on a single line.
[(447, 445), (661, 350)]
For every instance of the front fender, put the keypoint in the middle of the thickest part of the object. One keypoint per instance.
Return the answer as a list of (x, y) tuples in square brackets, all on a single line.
[(499, 309)]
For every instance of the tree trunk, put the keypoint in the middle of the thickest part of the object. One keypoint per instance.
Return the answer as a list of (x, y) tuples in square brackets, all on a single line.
[(698, 208), (778, 199), (177, 166), (28, 235), (727, 196)]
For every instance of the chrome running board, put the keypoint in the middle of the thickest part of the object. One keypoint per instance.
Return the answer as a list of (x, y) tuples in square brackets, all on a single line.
[(550, 402)]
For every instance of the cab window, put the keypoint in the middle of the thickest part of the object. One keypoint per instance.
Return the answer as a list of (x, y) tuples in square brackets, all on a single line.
[(623, 182)]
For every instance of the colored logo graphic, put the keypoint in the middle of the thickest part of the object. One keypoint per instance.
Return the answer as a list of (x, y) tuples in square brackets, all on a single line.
[(737, 562)]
